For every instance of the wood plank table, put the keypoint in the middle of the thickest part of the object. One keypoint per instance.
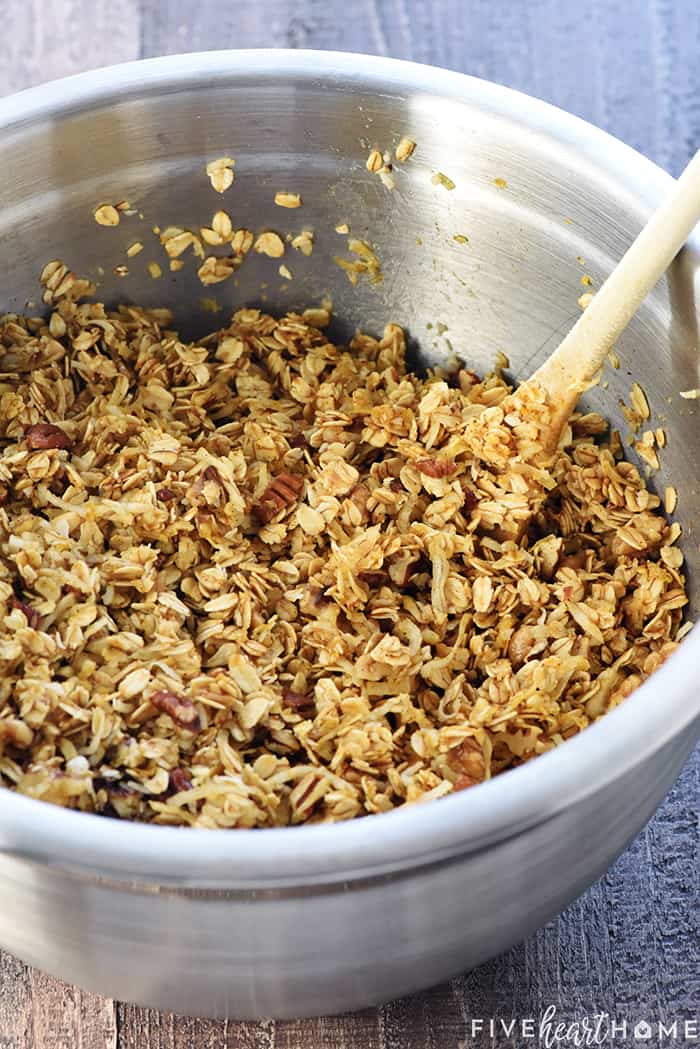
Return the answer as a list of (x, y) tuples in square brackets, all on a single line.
[(629, 946)]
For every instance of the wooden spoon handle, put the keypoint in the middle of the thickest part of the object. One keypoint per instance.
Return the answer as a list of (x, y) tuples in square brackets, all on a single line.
[(583, 351)]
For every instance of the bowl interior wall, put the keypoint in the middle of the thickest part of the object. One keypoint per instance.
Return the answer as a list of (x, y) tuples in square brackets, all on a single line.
[(554, 215)]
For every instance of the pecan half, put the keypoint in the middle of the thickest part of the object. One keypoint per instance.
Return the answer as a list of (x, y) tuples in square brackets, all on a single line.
[(46, 435), (31, 614), (282, 492), (436, 467), (181, 709)]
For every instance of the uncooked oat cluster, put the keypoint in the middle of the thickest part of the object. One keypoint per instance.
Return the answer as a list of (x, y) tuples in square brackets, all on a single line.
[(262, 579)]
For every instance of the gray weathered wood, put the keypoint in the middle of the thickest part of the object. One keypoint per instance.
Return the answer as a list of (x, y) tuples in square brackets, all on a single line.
[(38, 1012), (630, 67), (44, 39), (629, 946)]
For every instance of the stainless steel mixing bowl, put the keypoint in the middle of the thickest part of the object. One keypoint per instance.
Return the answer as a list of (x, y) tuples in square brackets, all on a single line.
[(329, 918)]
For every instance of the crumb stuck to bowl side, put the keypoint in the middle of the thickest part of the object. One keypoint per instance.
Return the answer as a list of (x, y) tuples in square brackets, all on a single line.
[(262, 579)]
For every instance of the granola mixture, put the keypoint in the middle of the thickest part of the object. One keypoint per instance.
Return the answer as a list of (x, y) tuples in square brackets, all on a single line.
[(262, 579)]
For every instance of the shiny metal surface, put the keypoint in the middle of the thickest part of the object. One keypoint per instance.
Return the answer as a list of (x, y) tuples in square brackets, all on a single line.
[(313, 920)]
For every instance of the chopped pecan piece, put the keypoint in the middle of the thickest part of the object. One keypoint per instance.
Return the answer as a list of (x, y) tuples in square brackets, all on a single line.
[(46, 435), (179, 780), (181, 709), (471, 500), (296, 700), (31, 614), (436, 467), (165, 495), (282, 492), (468, 760), (374, 579)]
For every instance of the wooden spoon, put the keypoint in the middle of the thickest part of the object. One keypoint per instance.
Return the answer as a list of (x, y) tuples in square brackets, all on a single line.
[(571, 368)]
